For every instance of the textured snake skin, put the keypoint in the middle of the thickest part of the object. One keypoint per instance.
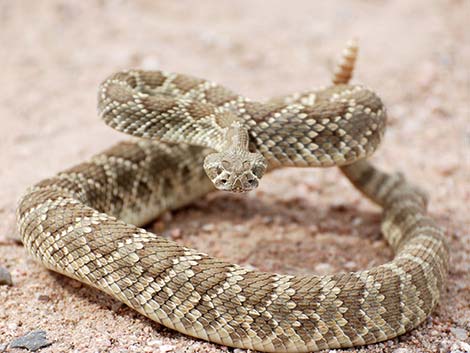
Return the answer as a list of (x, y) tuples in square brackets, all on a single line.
[(84, 221)]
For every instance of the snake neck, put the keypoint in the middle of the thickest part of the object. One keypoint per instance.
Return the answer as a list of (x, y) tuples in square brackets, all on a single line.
[(237, 138)]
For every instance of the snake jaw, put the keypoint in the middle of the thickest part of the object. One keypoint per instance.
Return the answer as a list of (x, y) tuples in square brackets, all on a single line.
[(235, 171)]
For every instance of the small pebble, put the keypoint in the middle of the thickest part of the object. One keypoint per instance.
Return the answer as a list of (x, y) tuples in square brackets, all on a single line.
[(267, 220), (3, 347), (339, 207), (240, 228), (313, 229), (214, 40), (31, 341), (103, 342), (208, 227), (166, 348), (43, 298), (154, 342), (176, 233), (356, 221), (459, 333), (444, 345), (402, 350), (150, 63), (238, 350), (323, 268), (350, 265), (75, 284), (5, 277), (460, 347), (250, 267)]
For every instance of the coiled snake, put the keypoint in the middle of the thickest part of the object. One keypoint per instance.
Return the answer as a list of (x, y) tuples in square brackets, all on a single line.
[(78, 223)]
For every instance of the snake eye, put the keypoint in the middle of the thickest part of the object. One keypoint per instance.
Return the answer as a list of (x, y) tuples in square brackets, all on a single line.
[(226, 164), (258, 170), (219, 170)]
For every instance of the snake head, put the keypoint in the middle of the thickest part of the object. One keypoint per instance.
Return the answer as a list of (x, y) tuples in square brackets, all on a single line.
[(236, 171)]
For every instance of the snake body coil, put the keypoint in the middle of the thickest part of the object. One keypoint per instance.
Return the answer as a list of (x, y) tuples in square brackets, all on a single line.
[(79, 222)]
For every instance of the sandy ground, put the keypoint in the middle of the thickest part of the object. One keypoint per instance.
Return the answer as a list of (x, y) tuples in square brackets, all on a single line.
[(414, 53)]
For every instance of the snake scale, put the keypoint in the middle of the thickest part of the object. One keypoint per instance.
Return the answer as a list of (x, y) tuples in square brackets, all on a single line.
[(84, 222)]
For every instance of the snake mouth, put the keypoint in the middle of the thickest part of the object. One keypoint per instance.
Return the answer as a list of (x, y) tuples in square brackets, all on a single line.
[(235, 172)]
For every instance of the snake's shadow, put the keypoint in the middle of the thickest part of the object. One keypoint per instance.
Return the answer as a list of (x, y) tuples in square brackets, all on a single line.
[(341, 221)]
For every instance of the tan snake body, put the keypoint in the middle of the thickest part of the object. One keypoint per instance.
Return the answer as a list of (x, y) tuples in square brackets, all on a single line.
[(79, 222)]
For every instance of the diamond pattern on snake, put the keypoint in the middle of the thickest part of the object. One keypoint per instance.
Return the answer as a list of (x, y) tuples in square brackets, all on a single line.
[(196, 136)]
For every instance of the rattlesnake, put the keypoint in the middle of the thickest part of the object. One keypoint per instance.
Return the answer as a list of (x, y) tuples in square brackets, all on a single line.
[(79, 222)]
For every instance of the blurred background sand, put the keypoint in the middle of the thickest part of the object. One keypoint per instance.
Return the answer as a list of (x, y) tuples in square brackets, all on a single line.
[(415, 54)]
